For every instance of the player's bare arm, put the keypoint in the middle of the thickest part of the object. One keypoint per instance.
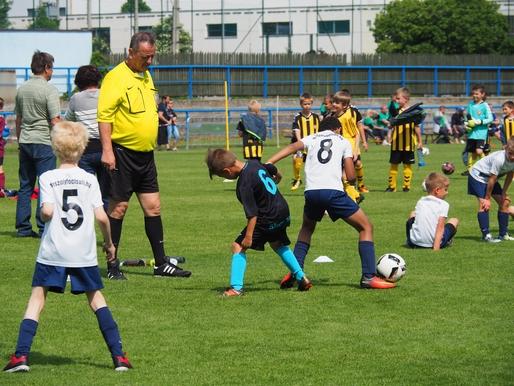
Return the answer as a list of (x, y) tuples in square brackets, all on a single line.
[(349, 169), (105, 228), (439, 230), (108, 160), (417, 130), (47, 211), (288, 150), (247, 241), (485, 203)]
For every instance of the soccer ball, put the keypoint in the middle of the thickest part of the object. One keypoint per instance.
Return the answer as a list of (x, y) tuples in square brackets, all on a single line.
[(448, 168), (425, 151), (391, 267)]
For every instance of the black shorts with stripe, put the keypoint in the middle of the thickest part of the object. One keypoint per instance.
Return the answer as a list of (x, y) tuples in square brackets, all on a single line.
[(269, 233), (135, 173)]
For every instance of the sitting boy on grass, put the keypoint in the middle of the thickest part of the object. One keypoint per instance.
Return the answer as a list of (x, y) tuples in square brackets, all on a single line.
[(427, 226)]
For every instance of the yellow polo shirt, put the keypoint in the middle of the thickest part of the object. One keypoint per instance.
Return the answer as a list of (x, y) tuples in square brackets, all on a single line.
[(127, 100)]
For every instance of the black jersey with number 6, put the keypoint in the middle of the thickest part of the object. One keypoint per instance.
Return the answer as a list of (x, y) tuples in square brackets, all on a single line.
[(259, 195)]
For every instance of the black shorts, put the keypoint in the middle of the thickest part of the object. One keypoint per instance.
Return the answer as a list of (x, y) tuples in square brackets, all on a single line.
[(405, 157), (446, 240), (473, 144), (135, 173), (267, 234)]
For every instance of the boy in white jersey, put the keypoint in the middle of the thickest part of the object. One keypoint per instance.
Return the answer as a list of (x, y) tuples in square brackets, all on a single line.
[(427, 226), (70, 202), (327, 151), (483, 183)]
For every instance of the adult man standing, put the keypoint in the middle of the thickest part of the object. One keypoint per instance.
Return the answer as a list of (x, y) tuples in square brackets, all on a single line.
[(37, 110), (128, 121)]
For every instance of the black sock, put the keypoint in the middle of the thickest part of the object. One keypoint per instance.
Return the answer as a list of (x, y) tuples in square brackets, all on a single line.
[(154, 232), (116, 225)]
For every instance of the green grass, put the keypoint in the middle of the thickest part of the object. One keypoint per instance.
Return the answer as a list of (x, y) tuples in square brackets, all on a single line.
[(450, 321)]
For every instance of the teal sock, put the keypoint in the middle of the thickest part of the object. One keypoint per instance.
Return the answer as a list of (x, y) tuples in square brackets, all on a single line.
[(290, 261), (237, 273)]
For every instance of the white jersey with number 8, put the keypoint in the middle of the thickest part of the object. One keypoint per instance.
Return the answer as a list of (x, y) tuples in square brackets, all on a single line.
[(69, 239), (326, 151)]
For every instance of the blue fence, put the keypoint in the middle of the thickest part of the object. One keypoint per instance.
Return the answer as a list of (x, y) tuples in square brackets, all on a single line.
[(265, 81)]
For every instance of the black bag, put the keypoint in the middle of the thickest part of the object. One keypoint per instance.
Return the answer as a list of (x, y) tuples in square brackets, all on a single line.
[(414, 114), (255, 126)]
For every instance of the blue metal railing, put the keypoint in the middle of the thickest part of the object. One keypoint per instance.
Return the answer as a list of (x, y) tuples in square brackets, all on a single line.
[(370, 81)]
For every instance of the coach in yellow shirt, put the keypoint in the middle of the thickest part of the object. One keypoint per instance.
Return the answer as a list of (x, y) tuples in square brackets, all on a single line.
[(127, 120)]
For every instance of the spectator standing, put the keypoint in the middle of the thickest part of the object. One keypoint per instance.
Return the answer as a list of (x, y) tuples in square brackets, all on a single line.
[(2, 146), (83, 109), (37, 110), (164, 121), (128, 123)]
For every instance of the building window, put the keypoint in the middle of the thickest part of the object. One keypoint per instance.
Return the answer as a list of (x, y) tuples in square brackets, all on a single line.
[(30, 12), (277, 29), (334, 27), (215, 30), (145, 28), (62, 11)]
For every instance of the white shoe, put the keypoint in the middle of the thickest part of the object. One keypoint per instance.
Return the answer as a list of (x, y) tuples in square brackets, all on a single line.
[(488, 238), (385, 143), (506, 237)]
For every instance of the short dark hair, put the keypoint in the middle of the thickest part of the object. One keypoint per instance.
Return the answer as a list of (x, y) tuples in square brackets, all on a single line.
[(330, 123), (141, 37), (87, 76), (509, 104), (40, 62)]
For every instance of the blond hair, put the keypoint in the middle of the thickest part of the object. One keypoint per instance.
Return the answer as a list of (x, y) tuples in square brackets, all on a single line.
[(403, 91), (69, 139), (218, 160), (343, 97), (254, 106), (436, 180)]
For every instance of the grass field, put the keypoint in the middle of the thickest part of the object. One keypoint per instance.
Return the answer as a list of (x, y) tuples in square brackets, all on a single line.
[(450, 321)]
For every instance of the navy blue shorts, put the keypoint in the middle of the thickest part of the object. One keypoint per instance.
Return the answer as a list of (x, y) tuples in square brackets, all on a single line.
[(84, 279), (335, 202), (267, 234), (477, 188), (449, 232)]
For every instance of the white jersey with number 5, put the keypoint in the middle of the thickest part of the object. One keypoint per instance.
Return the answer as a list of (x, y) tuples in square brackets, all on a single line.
[(69, 239), (326, 151)]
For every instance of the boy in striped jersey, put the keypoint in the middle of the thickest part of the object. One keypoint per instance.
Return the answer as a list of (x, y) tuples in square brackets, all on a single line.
[(405, 137), (305, 123), (353, 131), (508, 120)]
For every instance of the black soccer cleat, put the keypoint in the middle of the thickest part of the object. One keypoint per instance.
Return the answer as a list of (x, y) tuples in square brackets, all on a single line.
[(304, 284), (170, 270), (121, 363), (287, 281), (113, 271), (16, 364)]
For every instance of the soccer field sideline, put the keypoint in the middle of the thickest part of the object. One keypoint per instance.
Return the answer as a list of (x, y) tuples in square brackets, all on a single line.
[(448, 322)]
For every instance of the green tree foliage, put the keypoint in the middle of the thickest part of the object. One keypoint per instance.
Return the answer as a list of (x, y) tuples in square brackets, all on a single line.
[(5, 6), (442, 27), (163, 34), (129, 6), (100, 55), (42, 21)]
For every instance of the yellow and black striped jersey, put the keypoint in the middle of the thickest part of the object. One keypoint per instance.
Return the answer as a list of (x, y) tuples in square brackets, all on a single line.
[(508, 127), (349, 120), (403, 137), (305, 125)]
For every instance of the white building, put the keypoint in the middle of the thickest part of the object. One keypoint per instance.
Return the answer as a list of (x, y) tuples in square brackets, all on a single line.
[(232, 26)]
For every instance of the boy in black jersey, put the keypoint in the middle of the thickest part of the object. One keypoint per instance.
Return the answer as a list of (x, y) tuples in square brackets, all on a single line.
[(266, 211)]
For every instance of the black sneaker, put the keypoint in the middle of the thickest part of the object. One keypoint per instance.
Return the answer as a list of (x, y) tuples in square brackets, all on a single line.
[(113, 271), (389, 189), (121, 363), (465, 173), (16, 364), (170, 270), (406, 189), (360, 199)]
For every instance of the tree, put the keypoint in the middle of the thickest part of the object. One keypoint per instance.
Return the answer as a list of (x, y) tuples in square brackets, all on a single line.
[(163, 33), (442, 27), (42, 21), (5, 7), (129, 6), (101, 51)]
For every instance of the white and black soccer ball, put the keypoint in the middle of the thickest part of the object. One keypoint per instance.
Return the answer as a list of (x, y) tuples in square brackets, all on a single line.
[(426, 151), (391, 267)]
